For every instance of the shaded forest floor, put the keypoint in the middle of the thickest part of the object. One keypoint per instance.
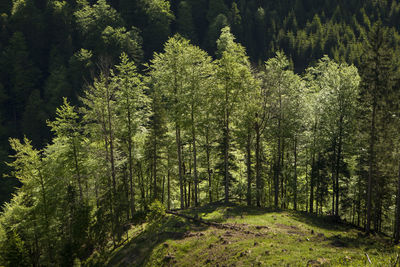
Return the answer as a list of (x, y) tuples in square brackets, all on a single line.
[(249, 237)]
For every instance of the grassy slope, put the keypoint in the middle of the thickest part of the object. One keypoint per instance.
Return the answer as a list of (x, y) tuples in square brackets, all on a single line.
[(255, 237)]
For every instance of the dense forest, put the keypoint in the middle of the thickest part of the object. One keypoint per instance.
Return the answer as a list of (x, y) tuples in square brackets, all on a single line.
[(107, 107)]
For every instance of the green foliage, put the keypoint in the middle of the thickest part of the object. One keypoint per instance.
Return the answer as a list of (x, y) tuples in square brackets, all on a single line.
[(156, 212), (13, 251), (185, 22), (191, 123)]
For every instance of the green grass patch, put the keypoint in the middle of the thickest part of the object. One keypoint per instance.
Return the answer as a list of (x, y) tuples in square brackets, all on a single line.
[(250, 237)]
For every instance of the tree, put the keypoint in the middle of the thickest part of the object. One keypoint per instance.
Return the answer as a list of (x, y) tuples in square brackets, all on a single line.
[(99, 113), (167, 71), (133, 111), (286, 89), (157, 28), (377, 75), (23, 78), (234, 76), (68, 129), (29, 169), (338, 89), (185, 26), (102, 31)]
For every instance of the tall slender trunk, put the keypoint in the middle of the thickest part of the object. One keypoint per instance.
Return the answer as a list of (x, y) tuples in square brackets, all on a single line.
[(258, 163), (317, 189), (46, 216), (359, 200), (111, 144), (155, 169), (126, 189), (282, 178), (307, 182), (295, 174), (112, 159), (130, 160), (226, 155), (312, 177), (189, 191), (333, 171), (339, 154), (169, 187), (277, 171), (278, 164), (194, 159), (178, 143), (77, 170), (142, 186), (371, 163), (208, 164), (248, 150), (109, 181), (185, 182), (163, 188)]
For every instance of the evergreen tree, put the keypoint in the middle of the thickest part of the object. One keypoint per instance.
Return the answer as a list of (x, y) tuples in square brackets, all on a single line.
[(377, 75)]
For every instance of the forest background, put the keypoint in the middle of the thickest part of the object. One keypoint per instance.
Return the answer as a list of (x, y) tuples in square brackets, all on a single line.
[(253, 112)]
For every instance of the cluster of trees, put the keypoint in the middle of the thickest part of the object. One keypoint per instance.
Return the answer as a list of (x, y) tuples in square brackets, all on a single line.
[(204, 120), (191, 130), (52, 48)]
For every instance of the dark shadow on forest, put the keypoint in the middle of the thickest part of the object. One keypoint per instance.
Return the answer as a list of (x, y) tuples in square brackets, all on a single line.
[(327, 222)]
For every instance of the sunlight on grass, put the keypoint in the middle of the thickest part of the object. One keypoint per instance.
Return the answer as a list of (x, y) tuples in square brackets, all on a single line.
[(251, 237)]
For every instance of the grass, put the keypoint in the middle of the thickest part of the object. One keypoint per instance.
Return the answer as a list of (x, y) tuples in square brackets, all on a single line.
[(255, 237)]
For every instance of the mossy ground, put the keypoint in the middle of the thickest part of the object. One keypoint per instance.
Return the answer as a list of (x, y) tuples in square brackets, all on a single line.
[(252, 237)]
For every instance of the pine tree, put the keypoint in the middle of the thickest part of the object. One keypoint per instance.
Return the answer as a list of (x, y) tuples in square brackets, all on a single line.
[(377, 81)]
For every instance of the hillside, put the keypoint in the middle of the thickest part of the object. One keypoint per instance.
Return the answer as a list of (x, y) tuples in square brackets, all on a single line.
[(113, 108), (245, 236)]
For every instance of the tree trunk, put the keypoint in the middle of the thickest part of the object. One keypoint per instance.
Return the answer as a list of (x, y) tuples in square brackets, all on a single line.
[(142, 186), (109, 181), (111, 144), (208, 165), (189, 194), (226, 157), (178, 143), (338, 165), (333, 171), (46, 216), (163, 190), (130, 159), (258, 163), (370, 172), (126, 189), (317, 189), (295, 174), (276, 176), (169, 191), (155, 169), (248, 150), (184, 182), (78, 174), (307, 179), (169, 185), (282, 178), (194, 161), (312, 176)]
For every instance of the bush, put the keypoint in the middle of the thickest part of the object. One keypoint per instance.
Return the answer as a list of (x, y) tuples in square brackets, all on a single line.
[(156, 213)]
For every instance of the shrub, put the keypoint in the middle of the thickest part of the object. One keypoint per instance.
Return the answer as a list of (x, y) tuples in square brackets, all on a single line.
[(157, 212)]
